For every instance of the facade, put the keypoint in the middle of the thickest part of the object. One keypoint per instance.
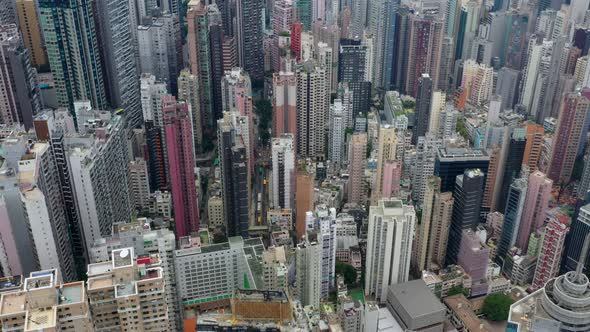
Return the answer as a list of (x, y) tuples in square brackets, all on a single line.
[(467, 194), (387, 151), (451, 162), (284, 103), (206, 276), (579, 229), (308, 263), (145, 242), (158, 47), (283, 175), (473, 257), (421, 251), (119, 62), (391, 228), (424, 51), (188, 92), (77, 72), (535, 207), (551, 249), (442, 212), (574, 107), (423, 107), (98, 168), (357, 154), (179, 143), (304, 200), (249, 37), (337, 133), (30, 28), (517, 195), (312, 112), (139, 187), (235, 175), (20, 97), (128, 291)]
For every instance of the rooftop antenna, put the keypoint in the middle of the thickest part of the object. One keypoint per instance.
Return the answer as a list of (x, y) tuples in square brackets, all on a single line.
[(582, 260)]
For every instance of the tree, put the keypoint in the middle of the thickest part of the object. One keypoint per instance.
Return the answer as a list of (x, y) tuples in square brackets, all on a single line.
[(458, 290), (497, 306), (347, 271), (264, 112)]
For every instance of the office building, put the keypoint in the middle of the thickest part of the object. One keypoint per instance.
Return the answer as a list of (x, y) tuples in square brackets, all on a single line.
[(579, 228), (535, 207), (74, 58), (31, 31), (119, 62), (99, 177), (513, 152), (572, 115), (415, 307), (179, 146), (517, 195), (466, 208), (551, 248), (312, 111), (20, 97), (451, 162), (284, 103), (44, 303), (123, 279), (283, 175), (391, 228), (235, 172), (145, 242), (208, 275), (356, 164)]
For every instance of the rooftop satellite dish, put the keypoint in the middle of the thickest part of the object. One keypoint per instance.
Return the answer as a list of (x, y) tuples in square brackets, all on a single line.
[(124, 253)]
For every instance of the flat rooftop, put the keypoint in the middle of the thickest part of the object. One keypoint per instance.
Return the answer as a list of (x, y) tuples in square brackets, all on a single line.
[(100, 282), (13, 303), (99, 268), (416, 298), (40, 319), (71, 293)]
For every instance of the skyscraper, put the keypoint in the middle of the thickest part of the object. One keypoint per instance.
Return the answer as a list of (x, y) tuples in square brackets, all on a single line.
[(336, 135), (312, 111), (535, 207), (356, 164), (73, 52), (420, 251), (512, 217), (118, 55), (188, 92), (308, 261), (442, 211), (179, 146), (249, 37), (534, 146), (387, 151), (199, 50), (551, 248), (284, 103), (391, 228), (20, 98), (467, 195), (283, 175), (572, 115), (31, 31), (513, 150), (579, 229), (235, 174), (304, 200), (422, 109), (424, 51)]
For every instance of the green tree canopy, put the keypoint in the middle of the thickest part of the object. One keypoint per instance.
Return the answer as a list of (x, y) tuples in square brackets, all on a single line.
[(497, 306), (347, 271)]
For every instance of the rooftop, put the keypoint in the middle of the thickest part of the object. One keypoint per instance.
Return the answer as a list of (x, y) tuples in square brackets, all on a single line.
[(416, 298), (71, 293), (40, 319), (13, 303), (463, 309)]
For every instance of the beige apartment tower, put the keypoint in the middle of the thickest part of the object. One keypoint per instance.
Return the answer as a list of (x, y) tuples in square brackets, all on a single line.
[(43, 303), (127, 293), (31, 31)]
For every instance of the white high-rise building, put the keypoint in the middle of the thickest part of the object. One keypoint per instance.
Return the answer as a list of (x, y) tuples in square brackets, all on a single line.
[(321, 227), (426, 151), (283, 175), (152, 91), (389, 246), (325, 56), (337, 132), (308, 265), (99, 173)]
